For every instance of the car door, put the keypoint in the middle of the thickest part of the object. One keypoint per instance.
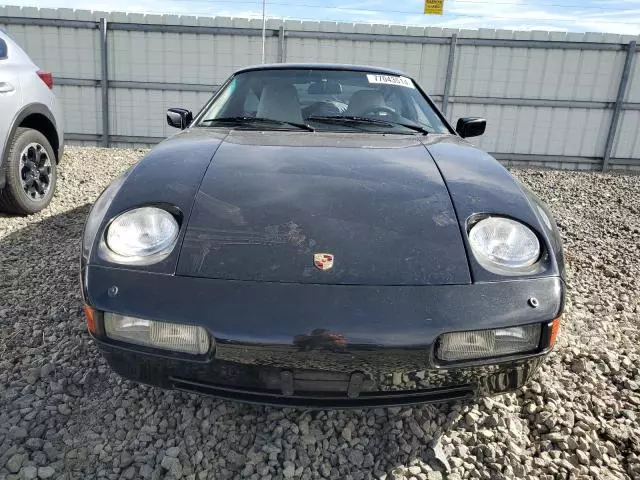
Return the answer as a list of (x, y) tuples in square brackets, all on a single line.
[(10, 91)]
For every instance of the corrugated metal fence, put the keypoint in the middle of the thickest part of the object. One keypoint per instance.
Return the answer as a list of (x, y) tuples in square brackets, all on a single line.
[(561, 100)]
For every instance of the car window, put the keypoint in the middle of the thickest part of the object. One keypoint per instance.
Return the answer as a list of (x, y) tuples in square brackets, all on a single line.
[(3, 49), (297, 96)]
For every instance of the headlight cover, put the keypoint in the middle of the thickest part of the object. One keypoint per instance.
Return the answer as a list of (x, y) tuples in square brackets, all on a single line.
[(97, 213), (168, 336), (142, 232), (482, 344), (505, 244)]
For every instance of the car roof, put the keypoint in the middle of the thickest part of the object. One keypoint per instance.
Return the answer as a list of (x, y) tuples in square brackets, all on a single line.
[(321, 66)]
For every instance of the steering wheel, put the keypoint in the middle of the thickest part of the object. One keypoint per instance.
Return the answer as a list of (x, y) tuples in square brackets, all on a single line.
[(321, 108), (380, 112)]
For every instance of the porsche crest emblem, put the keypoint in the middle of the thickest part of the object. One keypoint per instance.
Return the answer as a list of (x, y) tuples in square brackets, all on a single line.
[(323, 261)]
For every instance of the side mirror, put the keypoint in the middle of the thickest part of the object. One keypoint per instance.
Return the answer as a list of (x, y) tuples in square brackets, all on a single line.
[(471, 127), (179, 117)]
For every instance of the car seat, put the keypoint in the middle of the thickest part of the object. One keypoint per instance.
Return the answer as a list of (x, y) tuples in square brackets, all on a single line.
[(280, 102)]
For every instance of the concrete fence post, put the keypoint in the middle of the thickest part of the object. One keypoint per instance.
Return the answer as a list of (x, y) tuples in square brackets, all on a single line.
[(615, 115), (281, 45), (449, 78), (104, 81)]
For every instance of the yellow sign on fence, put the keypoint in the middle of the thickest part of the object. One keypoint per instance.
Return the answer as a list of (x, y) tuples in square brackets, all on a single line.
[(433, 7)]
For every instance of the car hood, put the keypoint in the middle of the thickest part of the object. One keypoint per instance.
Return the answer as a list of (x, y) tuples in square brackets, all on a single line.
[(269, 202)]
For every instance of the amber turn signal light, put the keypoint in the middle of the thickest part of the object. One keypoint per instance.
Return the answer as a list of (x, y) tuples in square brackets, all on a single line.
[(555, 328), (91, 321)]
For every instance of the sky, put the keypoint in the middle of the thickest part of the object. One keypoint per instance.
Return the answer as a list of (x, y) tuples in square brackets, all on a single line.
[(614, 16)]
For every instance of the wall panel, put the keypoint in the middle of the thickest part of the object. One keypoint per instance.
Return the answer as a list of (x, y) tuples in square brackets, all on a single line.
[(500, 79)]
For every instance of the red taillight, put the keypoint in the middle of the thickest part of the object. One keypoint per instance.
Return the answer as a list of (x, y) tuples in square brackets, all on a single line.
[(46, 77)]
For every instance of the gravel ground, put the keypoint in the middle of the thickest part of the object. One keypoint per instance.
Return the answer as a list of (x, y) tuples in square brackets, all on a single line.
[(64, 414)]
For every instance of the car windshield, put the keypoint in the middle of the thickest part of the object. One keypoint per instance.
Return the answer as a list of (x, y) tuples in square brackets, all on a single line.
[(322, 100)]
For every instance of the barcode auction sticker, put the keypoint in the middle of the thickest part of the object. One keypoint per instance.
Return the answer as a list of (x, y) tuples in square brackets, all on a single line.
[(390, 80)]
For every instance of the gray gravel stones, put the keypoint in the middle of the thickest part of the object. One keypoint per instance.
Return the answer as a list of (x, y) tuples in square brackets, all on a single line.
[(289, 470), (29, 473), (14, 463), (173, 465), (46, 472), (64, 414), (173, 452)]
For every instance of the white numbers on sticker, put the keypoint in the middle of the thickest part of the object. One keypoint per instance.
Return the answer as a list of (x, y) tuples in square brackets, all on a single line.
[(390, 80)]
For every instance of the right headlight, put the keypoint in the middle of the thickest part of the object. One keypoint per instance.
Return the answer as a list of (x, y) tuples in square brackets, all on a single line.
[(142, 234), (504, 244)]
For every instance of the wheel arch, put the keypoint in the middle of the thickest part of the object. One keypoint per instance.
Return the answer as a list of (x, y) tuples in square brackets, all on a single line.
[(36, 116)]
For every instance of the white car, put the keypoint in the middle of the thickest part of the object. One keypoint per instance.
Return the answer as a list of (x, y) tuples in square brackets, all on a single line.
[(31, 138)]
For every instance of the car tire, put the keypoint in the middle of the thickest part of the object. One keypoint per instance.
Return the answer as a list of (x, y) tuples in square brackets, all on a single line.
[(30, 173)]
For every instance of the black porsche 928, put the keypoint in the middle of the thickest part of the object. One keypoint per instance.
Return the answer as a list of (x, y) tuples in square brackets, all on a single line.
[(320, 236)]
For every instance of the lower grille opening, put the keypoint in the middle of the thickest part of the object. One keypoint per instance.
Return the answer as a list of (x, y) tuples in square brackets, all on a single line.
[(319, 399)]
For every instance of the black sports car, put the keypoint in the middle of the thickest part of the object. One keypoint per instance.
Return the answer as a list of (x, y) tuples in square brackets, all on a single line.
[(319, 235)]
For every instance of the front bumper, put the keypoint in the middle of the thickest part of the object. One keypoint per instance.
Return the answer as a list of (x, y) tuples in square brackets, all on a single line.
[(326, 388), (364, 346)]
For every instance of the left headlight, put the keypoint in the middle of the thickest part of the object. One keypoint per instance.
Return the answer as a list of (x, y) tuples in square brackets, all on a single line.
[(505, 244), (142, 232)]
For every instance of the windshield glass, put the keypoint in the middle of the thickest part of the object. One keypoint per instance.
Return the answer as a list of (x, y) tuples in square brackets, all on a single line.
[(324, 100)]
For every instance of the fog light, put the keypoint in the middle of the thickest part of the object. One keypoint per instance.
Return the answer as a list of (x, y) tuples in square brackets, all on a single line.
[(479, 344), (168, 336)]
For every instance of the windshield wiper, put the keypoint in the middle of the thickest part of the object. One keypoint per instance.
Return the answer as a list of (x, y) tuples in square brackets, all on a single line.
[(348, 119), (413, 126), (374, 121), (244, 120)]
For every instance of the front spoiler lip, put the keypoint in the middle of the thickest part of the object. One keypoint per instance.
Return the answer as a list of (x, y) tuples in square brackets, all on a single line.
[(388, 399)]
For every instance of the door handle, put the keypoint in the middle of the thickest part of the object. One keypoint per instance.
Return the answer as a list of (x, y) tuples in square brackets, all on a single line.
[(6, 87)]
